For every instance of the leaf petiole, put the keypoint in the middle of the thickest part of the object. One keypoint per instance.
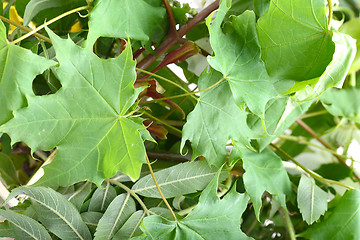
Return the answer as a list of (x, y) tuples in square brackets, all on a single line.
[(49, 22), (188, 94), (158, 188)]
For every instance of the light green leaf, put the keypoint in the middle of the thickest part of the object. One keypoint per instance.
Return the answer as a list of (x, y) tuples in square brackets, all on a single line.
[(101, 198), (119, 210), (21, 227), (335, 73), (295, 40), (78, 196), (55, 212), (93, 137), (343, 103), (131, 226), (212, 218), (36, 6), (264, 172), (215, 120), (343, 223), (135, 19), (91, 219), (351, 28), (312, 200), (237, 57), (7, 170), (280, 113), (18, 69), (178, 180)]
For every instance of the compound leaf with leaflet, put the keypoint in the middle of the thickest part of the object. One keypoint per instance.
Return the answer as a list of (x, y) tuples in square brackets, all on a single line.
[(222, 220)]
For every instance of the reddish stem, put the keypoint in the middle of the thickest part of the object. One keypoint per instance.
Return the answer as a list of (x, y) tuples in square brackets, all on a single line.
[(308, 129), (171, 40)]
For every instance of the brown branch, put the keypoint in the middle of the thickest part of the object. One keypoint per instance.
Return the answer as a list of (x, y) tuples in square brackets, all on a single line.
[(172, 30), (171, 40), (308, 129)]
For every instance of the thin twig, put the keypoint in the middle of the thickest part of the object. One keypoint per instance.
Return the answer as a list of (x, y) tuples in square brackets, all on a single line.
[(50, 22), (311, 173), (170, 41), (172, 30), (158, 188), (142, 204), (190, 93), (26, 29), (330, 5), (325, 144), (164, 79), (176, 130)]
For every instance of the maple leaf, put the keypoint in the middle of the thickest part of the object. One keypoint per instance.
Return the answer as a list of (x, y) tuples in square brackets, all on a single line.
[(18, 69), (237, 57), (215, 120), (86, 120)]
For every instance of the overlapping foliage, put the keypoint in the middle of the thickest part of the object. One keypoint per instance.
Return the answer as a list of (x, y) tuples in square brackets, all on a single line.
[(89, 101)]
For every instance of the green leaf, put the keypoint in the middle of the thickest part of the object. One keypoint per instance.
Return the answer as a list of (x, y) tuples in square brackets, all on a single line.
[(334, 74), (264, 172), (55, 212), (7, 170), (36, 6), (135, 19), (131, 226), (261, 6), (312, 200), (18, 69), (343, 103), (21, 227), (81, 192), (295, 40), (215, 120), (101, 198), (94, 138), (334, 171), (343, 223), (280, 113), (351, 28), (212, 218), (237, 57), (181, 179), (91, 219), (119, 210)]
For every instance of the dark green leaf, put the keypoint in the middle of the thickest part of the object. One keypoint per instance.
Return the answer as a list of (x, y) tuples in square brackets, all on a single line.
[(102, 197), (312, 200), (334, 171), (222, 220), (79, 195), (21, 227), (91, 219), (7, 170), (119, 210), (264, 172), (131, 226), (55, 212), (181, 179)]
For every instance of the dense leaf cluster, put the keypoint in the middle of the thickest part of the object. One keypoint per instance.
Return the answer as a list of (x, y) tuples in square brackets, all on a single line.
[(102, 138)]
